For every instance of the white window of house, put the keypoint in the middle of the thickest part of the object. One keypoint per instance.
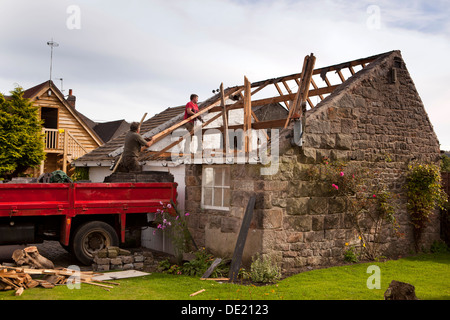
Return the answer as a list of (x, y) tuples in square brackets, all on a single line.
[(216, 187)]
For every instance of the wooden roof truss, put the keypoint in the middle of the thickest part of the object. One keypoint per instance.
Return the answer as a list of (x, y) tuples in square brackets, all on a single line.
[(297, 93)]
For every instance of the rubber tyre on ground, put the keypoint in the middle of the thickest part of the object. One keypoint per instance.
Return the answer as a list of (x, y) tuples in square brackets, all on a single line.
[(91, 237)]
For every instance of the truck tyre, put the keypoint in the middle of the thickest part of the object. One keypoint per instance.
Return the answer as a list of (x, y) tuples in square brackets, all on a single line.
[(91, 237)]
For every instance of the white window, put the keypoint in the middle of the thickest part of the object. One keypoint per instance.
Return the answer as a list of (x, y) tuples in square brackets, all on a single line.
[(216, 187)]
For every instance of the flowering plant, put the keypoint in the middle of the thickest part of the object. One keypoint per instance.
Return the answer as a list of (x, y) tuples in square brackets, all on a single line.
[(368, 203), (170, 220)]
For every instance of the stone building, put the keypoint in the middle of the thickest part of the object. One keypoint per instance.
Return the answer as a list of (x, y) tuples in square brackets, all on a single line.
[(370, 110), (376, 112)]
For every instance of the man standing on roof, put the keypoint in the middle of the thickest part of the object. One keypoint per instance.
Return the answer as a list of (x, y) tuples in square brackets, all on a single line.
[(191, 109), (134, 143)]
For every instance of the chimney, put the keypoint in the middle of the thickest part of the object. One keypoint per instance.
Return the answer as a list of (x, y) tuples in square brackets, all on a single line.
[(71, 99)]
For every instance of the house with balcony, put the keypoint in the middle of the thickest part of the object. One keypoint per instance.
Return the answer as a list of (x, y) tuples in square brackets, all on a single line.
[(67, 134)]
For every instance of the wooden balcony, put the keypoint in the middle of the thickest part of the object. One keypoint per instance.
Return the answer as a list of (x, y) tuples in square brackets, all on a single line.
[(62, 142)]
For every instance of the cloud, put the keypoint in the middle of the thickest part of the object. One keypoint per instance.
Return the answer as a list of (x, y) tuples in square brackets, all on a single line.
[(143, 56)]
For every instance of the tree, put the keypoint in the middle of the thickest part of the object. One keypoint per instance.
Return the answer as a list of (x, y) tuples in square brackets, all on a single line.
[(445, 163), (21, 140)]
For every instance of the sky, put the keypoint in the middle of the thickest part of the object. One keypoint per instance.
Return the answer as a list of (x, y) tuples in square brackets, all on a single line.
[(125, 58)]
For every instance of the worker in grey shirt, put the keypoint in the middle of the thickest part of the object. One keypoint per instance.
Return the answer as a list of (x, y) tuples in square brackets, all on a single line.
[(134, 143)]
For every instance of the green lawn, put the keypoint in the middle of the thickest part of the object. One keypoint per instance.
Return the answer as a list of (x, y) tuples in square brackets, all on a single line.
[(429, 273)]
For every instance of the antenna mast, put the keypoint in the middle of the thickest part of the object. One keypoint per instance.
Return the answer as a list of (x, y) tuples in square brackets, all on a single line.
[(52, 44)]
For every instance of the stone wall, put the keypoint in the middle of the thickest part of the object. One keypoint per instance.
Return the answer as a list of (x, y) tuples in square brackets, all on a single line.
[(376, 116)]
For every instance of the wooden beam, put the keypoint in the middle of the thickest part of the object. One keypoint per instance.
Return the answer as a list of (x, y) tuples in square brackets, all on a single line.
[(226, 142), (281, 94), (256, 121), (66, 140), (352, 71), (286, 97), (159, 153), (287, 87), (242, 238), (157, 137), (341, 76), (315, 87), (279, 123), (260, 87), (247, 115), (303, 90)]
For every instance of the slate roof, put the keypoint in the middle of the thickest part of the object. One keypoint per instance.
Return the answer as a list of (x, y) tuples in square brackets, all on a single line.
[(102, 152)]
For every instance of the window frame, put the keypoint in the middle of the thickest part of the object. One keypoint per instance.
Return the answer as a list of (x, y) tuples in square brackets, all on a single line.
[(222, 187)]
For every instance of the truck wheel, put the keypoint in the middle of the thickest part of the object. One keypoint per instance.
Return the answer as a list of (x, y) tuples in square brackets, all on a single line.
[(91, 237)]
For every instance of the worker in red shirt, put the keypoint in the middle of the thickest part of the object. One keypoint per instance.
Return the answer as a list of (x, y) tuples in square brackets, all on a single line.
[(191, 109)]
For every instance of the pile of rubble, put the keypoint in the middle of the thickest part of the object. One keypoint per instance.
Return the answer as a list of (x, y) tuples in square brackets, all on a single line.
[(32, 269), (114, 258)]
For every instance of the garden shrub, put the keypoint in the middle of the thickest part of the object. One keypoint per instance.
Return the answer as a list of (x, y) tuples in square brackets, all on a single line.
[(264, 269), (425, 194)]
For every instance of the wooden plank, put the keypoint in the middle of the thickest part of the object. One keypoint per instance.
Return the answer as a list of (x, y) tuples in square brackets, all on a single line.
[(281, 94), (196, 293), (287, 87), (159, 153), (19, 292), (286, 97), (352, 71), (226, 142), (66, 138), (157, 137), (256, 121), (210, 270), (247, 115), (97, 284), (315, 88), (297, 99), (240, 242), (341, 76)]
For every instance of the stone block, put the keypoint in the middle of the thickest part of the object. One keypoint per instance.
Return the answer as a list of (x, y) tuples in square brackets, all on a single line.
[(297, 223), (263, 201), (317, 223), (347, 126), (147, 254), (138, 258), (297, 206), (98, 260), (103, 267), (244, 185), (113, 252), (128, 266), (318, 205), (115, 261), (148, 260), (295, 237), (331, 221), (102, 253), (138, 265), (116, 267), (127, 259), (309, 154), (123, 252), (344, 141), (336, 205), (327, 141), (317, 127), (215, 222), (230, 225), (272, 218), (312, 140)]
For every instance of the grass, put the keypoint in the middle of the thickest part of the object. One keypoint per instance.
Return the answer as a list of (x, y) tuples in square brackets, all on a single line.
[(429, 273)]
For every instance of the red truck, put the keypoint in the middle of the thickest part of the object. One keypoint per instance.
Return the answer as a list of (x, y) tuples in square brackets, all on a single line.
[(84, 217)]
